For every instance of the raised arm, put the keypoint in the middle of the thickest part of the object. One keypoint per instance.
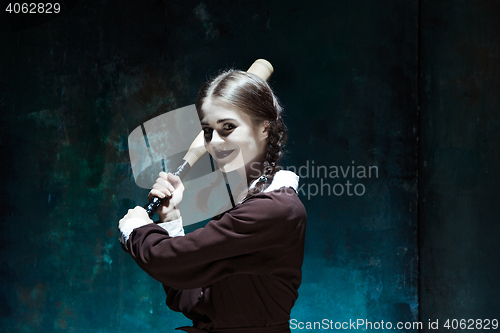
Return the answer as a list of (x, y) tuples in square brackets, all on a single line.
[(245, 240)]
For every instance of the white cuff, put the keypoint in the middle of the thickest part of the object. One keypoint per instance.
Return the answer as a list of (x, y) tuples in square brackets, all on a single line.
[(174, 228), (129, 226)]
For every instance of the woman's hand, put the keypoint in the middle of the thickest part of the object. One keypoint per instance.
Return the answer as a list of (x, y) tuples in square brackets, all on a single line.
[(171, 187), (137, 212)]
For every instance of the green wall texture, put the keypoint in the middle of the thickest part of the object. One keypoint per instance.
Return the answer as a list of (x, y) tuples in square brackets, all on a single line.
[(459, 162), (401, 86)]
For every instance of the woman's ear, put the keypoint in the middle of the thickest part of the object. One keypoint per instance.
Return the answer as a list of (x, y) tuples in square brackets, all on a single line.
[(265, 130)]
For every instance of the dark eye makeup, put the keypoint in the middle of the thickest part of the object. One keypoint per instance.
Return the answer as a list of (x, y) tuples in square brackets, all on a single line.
[(228, 126)]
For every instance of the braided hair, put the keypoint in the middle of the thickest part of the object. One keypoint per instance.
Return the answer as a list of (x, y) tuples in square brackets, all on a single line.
[(254, 96)]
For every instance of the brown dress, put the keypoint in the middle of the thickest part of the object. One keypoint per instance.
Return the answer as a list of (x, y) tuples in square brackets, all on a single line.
[(240, 273)]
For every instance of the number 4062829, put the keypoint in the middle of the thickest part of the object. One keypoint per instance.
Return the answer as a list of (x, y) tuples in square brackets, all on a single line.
[(33, 8)]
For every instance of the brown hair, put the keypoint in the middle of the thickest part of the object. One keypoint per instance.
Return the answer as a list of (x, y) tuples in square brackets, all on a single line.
[(254, 96)]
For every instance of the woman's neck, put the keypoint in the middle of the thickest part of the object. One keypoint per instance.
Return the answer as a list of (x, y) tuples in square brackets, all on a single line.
[(253, 171), (250, 172)]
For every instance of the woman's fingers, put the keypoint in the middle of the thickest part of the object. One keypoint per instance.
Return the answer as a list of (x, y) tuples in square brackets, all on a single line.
[(162, 188), (176, 180), (167, 186), (158, 193), (165, 180), (170, 186)]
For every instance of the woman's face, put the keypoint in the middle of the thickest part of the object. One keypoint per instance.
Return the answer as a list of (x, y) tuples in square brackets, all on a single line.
[(230, 135)]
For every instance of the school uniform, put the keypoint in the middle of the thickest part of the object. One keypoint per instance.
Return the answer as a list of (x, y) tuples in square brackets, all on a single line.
[(240, 273)]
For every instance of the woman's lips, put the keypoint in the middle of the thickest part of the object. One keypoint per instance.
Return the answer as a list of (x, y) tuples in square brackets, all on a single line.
[(223, 153)]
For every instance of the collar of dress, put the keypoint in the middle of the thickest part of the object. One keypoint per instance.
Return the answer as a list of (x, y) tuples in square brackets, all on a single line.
[(282, 178)]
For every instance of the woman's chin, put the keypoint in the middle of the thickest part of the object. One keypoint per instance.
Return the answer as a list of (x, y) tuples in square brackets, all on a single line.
[(228, 167), (231, 164)]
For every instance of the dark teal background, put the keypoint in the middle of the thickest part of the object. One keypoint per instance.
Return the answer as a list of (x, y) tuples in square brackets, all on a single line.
[(459, 224), (408, 86)]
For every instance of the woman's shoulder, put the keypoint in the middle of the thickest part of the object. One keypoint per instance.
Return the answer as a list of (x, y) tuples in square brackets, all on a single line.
[(280, 198), (282, 178)]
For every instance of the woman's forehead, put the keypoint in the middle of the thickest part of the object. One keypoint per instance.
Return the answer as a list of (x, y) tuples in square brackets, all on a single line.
[(214, 110)]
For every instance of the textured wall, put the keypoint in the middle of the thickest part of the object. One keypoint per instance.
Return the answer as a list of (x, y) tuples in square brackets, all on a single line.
[(460, 158), (72, 89)]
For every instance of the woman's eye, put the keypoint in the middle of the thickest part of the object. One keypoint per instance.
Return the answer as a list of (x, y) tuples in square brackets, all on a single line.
[(228, 127), (207, 133)]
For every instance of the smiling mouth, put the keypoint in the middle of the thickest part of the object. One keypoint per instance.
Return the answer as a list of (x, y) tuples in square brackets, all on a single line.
[(223, 153)]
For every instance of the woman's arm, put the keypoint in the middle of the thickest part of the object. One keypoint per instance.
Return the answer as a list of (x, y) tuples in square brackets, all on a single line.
[(166, 186), (246, 239)]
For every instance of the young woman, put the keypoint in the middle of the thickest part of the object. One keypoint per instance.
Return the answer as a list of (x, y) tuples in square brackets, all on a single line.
[(240, 273)]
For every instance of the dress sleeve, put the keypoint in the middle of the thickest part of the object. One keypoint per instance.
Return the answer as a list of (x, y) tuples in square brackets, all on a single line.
[(245, 240)]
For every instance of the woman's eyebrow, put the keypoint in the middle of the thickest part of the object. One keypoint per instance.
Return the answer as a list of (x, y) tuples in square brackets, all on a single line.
[(218, 121), (225, 119)]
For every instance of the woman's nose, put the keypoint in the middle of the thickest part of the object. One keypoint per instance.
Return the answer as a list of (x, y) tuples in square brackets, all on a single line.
[(216, 138)]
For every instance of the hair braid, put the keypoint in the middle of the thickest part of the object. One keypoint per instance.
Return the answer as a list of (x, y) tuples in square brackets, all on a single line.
[(275, 151)]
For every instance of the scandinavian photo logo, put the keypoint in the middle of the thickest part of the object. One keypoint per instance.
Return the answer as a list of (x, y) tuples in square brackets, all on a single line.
[(335, 180)]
